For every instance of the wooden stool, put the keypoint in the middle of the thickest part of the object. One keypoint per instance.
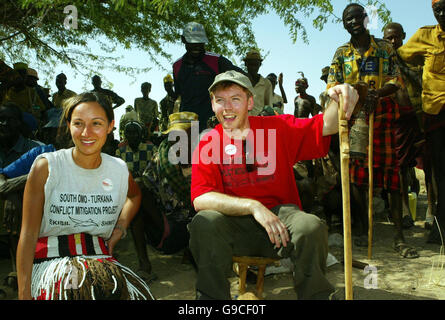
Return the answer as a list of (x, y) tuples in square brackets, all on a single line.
[(244, 262)]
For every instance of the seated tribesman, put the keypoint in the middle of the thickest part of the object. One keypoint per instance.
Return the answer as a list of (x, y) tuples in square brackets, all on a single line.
[(16, 172), (12, 146), (12, 179), (136, 153), (12, 142), (168, 176), (244, 190), (133, 150), (129, 115)]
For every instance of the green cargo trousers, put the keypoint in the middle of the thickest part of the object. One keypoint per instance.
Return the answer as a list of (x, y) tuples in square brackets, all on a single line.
[(215, 238)]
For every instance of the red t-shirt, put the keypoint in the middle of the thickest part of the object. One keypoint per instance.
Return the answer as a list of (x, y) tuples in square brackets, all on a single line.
[(220, 165)]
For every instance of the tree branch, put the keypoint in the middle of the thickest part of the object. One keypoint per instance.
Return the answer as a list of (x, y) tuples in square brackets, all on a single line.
[(11, 36)]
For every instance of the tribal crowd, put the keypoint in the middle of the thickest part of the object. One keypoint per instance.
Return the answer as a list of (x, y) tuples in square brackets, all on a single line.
[(69, 190)]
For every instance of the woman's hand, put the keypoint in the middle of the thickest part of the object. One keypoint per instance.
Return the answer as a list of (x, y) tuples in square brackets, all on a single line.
[(117, 234)]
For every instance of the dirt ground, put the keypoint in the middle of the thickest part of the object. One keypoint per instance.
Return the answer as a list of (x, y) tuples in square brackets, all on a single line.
[(389, 277)]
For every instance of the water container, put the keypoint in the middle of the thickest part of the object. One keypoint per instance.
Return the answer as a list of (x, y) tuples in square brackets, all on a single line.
[(412, 199)]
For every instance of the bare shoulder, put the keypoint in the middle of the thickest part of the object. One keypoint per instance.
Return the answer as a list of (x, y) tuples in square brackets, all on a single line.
[(39, 172), (41, 163)]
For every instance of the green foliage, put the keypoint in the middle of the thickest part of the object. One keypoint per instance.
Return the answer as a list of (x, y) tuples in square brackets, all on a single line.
[(34, 29)]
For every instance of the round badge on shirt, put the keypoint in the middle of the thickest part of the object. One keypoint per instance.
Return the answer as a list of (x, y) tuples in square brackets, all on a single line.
[(230, 149), (107, 184)]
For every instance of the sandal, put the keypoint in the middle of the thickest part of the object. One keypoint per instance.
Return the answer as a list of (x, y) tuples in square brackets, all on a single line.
[(405, 250)]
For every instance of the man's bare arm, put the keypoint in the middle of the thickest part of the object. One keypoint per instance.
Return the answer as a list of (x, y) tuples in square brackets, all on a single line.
[(330, 119), (228, 205), (235, 206)]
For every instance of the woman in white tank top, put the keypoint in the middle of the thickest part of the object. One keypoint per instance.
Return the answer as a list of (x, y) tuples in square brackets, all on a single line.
[(77, 205)]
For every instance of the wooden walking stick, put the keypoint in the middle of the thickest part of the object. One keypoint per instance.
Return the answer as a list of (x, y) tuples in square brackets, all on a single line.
[(370, 182), (343, 134)]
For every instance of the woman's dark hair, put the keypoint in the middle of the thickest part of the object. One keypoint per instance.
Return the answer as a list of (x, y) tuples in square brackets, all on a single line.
[(73, 102), (63, 134)]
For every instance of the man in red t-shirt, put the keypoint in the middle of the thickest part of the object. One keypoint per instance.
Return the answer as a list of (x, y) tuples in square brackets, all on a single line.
[(244, 190)]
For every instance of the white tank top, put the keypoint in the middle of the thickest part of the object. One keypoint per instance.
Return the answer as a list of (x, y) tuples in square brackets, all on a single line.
[(82, 200)]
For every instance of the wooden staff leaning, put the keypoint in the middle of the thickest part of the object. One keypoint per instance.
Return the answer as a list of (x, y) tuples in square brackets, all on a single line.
[(370, 182), (343, 134)]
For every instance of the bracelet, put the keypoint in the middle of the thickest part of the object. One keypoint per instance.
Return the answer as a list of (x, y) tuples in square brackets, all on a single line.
[(123, 230)]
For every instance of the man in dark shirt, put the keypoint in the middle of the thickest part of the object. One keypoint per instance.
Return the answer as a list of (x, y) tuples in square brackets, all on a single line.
[(63, 92), (195, 71), (167, 104), (113, 97)]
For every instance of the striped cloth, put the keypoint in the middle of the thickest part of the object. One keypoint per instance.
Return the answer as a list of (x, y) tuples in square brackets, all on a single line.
[(386, 170), (69, 246), (408, 134), (79, 267)]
